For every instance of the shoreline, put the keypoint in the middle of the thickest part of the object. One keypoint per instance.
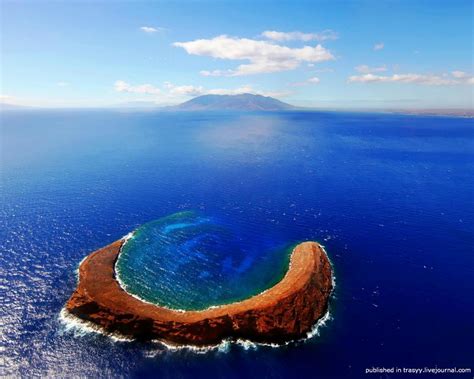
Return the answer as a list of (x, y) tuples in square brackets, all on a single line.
[(285, 312), (80, 327)]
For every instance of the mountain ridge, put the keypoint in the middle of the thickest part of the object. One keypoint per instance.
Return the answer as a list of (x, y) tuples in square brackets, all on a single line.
[(239, 102)]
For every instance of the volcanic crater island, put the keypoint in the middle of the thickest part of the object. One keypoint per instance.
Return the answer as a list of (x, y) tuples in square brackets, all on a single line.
[(286, 311)]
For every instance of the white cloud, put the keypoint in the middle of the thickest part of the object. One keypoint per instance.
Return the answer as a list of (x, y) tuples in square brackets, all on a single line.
[(6, 99), (150, 29), (325, 35), (435, 80), (265, 66), (186, 90), (263, 56), (173, 92), (379, 46), (216, 73), (367, 70), (121, 86), (13, 100), (236, 91), (459, 74), (470, 81), (313, 80), (62, 84), (189, 90)]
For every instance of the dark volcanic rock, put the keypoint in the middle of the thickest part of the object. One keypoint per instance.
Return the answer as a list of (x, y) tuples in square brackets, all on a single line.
[(284, 312)]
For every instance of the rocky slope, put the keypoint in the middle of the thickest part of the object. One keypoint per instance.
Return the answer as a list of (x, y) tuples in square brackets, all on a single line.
[(284, 312)]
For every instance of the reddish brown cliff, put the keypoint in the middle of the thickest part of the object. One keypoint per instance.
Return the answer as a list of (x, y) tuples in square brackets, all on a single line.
[(284, 312)]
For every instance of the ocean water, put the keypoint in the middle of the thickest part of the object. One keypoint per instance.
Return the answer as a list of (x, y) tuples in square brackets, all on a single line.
[(390, 196)]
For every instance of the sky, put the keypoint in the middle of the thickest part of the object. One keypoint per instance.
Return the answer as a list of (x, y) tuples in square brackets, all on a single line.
[(325, 54)]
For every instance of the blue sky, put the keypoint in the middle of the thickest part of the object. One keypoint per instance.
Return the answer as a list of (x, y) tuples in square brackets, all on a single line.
[(343, 54)]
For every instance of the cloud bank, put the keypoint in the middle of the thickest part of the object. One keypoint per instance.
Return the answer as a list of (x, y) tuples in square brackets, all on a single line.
[(325, 35), (121, 86), (367, 70), (263, 56), (170, 91), (434, 80)]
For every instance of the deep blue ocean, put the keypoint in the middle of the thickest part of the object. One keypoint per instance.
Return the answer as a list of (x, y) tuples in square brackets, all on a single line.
[(391, 197)]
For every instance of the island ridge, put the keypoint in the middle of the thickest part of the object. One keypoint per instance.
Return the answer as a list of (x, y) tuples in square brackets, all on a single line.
[(284, 312)]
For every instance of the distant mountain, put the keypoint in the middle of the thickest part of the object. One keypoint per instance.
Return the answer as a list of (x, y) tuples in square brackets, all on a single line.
[(241, 102)]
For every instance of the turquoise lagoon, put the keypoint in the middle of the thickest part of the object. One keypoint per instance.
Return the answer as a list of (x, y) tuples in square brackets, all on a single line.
[(192, 262)]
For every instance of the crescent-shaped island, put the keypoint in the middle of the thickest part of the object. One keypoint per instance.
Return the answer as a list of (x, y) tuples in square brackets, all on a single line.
[(285, 312)]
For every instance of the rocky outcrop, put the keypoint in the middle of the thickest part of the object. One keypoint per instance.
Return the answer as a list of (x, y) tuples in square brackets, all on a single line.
[(286, 311)]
